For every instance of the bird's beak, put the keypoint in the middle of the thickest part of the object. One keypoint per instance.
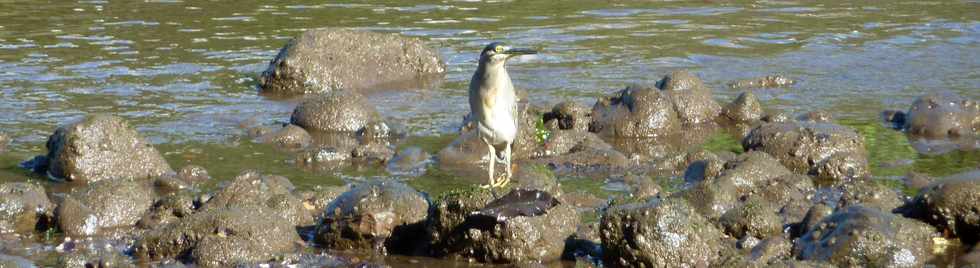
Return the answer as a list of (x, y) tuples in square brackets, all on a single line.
[(519, 51)]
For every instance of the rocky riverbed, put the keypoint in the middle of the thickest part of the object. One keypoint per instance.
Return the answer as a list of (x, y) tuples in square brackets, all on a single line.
[(672, 171)]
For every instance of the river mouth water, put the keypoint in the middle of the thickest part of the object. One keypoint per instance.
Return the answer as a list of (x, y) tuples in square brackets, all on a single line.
[(185, 73)]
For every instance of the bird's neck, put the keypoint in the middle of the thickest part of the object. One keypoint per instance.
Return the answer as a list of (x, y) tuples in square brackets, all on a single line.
[(492, 71)]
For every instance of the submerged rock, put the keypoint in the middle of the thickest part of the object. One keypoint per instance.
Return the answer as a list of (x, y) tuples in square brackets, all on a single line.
[(382, 215), (221, 238), (15, 262), (669, 233), (290, 137), (102, 147), (951, 203), (335, 111), (23, 206), (104, 204), (329, 59), (409, 161), (522, 226), (810, 148), (768, 81), (862, 236), (942, 115)]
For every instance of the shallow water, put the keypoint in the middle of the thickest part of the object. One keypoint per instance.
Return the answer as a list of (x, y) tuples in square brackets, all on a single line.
[(185, 73)]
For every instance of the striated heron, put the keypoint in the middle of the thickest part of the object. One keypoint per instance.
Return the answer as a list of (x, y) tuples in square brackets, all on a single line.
[(493, 106)]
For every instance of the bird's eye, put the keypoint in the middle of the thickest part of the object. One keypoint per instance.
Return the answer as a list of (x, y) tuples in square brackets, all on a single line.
[(499, 49)]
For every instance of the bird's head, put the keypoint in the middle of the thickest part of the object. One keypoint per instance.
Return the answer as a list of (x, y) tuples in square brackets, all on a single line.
[(498, 53)]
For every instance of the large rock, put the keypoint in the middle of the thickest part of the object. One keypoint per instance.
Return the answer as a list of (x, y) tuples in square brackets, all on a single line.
[(522, 226), (667, 233), (869, 194), (951, 203), (811, 148), (221, 238), (101, 147), (22, 206), (382, 215), (576, 152), (755, 217), (862, 236), (335, 111), (637, 111), (943, 114), (751, 170), (251, 189), (328, 59), (692, 101), (104, 204)]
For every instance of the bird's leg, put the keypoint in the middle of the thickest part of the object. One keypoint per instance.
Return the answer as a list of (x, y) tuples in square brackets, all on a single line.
[(507, 167), (493, 158)]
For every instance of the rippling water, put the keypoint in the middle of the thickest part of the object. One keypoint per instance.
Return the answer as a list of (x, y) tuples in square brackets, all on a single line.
[(186, 71)]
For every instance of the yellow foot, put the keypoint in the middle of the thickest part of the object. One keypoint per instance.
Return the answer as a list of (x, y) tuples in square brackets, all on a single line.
[(501, 183), (485, 186)]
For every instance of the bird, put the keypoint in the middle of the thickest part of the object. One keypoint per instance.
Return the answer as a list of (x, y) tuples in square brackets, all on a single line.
[(493, 106)]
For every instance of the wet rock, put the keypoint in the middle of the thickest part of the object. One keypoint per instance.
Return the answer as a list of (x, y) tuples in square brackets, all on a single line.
[(791, 194), (777, 117), (252, 189), (745, 108), (641, 187), (335, 111), (92, 257), (942, 115), (193, 174), (23, 207), (816, 116), (409, 161), (755, 217), (570, 115), (815, 215), (862, 236), (382, 215), (812, 148), (915, 180), (637, 111), (372, 153), (291, 137), (768, 81), (771, 249), (102, 147), (794, 263), (692, 101), (104, 204), (712, 198), (522, 226), (870, 194), (317, 199), (668, 233), (895, 119), (751, 170), (15, 262), (329, 59), (168, 209), (537, 177), (951, 203), (445, 227), (580, 153), (326, 158), (221, 238), (702, 165)]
